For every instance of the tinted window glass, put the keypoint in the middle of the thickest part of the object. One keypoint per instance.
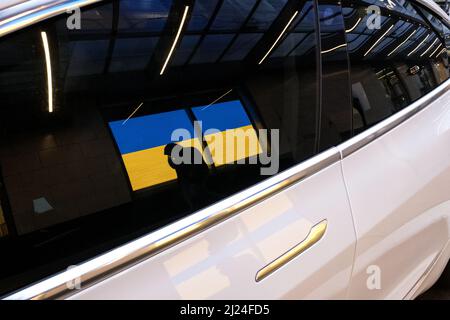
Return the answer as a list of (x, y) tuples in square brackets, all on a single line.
[(143, 15), (3, 209), (395, 59), (94, 124), (447, 36), (335, 117)]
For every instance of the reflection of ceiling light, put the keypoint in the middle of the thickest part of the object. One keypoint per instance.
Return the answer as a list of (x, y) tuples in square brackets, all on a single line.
[(387, 74), (353, 28), (18, 16), (279, 37), (335, 48), (420, 44), (218, 99), (132, 114), (441, 52), (183, 20), (435, 50), (401, 44), (49, 71), (429, 47), (376, 42)]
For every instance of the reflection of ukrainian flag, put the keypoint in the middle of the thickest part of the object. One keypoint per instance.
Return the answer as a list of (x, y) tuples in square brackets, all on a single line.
[(236, 138), (141, 142)]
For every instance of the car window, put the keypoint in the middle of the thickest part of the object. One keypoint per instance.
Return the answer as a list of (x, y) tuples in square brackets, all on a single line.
[(335, 111), (100, 118), (396, 57)]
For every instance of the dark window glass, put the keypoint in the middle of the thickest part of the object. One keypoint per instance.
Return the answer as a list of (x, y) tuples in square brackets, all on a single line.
[(433, 20), (447, 36), (3, 209), (233, 14), (185, 50), (335, 123), (211, 48), (96, 21), (87, 57), (265, 13), (393, 65), (143, 15), (132, 53), (203, 10), (86, 160), (242, 46)]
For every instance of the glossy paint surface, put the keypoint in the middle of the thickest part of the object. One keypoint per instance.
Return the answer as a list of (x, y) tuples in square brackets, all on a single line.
[(402, 223), (222, 262)]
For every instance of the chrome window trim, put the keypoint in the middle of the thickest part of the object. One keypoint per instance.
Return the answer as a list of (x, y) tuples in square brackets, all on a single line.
[(125, 256), (31, 12)]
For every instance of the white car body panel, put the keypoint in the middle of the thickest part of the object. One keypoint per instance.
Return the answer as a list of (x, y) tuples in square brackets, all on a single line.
[(221, 263), (402, 222)]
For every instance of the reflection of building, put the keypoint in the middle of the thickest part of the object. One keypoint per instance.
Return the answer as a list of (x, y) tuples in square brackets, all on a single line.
[(404, 57)]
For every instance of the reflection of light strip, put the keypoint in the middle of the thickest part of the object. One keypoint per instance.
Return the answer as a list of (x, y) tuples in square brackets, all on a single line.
[(376, 42), (442, 51), (132, 114), (401, 44), (49, 71), (415, 49), (353, 28), (435, 50), (335, 48), (186, 9), (387, 74), (20, 15), (209, 105), (279, 37), (429, 47)]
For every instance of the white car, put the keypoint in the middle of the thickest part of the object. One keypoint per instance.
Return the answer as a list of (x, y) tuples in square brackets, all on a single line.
[(223, 149)]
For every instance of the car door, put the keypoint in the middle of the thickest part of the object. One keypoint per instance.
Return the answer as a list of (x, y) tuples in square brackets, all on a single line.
[(228, 261), (397, 169), (102, 206)]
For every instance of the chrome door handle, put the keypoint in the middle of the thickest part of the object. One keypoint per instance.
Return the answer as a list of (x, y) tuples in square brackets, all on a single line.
[(315, 234)]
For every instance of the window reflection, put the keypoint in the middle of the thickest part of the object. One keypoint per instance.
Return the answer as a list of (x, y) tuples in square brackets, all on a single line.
[(143, 15), (87, 57), (211, 48), (235, 139), (203, 10), (391, 68), (336, 120), (132, 54), (232, 14), (96, 21), (3, 226), (100, 161)]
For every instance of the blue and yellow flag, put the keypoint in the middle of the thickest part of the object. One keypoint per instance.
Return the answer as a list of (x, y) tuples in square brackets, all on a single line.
[(141, 140)]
